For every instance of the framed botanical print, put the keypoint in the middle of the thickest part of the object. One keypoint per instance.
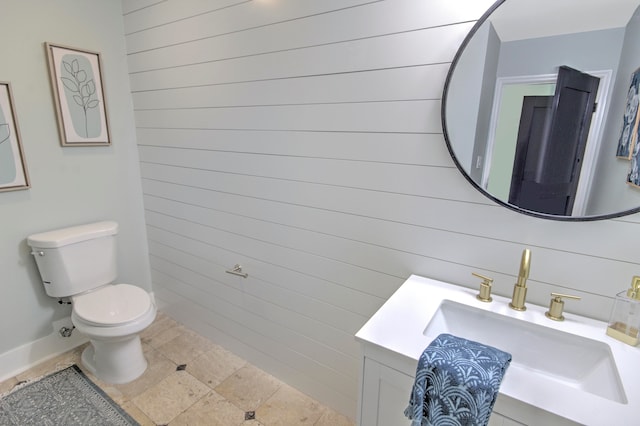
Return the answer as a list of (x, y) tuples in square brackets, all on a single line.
[(13, 168), (79, 95)]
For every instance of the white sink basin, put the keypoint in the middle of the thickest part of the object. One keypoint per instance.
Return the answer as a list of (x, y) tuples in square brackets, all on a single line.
[(561, 357), (569, 369)]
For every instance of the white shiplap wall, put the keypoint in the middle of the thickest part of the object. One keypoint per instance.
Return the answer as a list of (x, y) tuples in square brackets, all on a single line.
[(302, 139)]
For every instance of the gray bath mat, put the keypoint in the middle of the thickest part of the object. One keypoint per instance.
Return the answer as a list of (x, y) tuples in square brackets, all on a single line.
[(67, 398)]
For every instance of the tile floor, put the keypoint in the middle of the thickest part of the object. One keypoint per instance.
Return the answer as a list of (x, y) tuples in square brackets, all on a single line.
[(192, 381)]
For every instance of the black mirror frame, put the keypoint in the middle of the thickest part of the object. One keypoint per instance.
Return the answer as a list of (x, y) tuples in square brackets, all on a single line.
[(455, 61)]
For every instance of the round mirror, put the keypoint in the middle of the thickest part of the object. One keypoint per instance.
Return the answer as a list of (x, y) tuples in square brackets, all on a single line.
[(540, 107)]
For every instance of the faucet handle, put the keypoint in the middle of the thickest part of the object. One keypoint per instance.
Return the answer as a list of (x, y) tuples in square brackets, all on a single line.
[(557, 305), (485, 288)]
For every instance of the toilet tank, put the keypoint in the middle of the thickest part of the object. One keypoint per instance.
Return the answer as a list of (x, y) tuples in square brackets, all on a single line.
[(76, 259)]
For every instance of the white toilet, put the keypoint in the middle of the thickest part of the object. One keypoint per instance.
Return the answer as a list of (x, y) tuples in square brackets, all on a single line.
[(80, 263)]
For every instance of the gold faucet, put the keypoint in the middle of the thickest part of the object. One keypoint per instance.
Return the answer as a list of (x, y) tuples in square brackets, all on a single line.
[(485, 288), (557, 305), (520, 288)]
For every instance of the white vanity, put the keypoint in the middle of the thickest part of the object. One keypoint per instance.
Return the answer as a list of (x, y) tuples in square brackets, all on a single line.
[(562, 372)]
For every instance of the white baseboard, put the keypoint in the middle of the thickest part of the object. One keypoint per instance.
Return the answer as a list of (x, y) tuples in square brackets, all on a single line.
[(28, 355)]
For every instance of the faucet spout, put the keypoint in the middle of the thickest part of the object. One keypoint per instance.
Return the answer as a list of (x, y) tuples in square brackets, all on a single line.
[(520, 287), (525, 264)]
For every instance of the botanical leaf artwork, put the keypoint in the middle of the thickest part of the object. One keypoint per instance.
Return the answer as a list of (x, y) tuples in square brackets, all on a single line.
[(4, 132), (13, 171), (7, 158), (80, 86)]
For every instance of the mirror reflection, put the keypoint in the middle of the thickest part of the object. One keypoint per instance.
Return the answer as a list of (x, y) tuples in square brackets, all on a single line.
[(541, 107)]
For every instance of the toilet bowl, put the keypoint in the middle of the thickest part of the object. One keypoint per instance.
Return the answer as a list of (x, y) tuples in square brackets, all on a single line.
[(79, 263), (111, 317)]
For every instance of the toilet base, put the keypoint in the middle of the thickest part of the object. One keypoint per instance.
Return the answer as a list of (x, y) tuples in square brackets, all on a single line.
[(115, 361)]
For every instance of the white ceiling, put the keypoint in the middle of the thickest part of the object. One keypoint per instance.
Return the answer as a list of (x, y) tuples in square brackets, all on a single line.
[(519, 19)]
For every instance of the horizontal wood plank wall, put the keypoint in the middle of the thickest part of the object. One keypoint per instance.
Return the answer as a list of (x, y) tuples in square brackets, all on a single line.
[(302, 140)]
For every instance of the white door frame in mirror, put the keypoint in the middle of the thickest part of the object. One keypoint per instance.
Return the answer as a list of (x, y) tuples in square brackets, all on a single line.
[(595, 131)]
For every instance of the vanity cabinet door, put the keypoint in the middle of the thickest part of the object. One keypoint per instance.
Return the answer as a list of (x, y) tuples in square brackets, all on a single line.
[(385, 395)]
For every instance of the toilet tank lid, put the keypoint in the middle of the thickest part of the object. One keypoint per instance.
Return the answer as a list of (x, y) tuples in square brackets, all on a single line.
[(73, 234)]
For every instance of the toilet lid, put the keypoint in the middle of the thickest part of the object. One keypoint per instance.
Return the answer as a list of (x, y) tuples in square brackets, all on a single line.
[(112, 304)]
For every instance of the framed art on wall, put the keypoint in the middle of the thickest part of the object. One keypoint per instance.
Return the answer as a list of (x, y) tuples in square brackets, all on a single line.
[(79, 96), (633, 177), (13, 168), (629, 130)]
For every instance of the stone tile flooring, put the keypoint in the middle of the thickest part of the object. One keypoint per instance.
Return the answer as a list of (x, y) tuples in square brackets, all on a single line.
[(192, 381)]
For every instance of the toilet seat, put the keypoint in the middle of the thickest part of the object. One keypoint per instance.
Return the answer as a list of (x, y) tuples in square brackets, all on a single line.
[(112, 305)]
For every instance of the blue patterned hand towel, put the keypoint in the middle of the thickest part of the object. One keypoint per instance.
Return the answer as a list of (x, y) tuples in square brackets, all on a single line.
[(457, 382)]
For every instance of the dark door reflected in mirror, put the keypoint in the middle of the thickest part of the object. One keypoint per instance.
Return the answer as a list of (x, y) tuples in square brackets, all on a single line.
[(540, 108)]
